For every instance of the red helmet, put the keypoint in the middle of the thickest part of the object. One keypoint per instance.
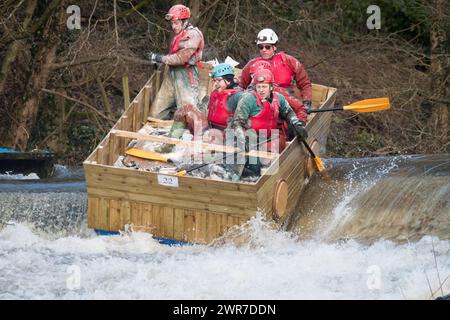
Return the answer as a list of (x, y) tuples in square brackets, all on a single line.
[(178, 12), (263, 76), (260, 64)]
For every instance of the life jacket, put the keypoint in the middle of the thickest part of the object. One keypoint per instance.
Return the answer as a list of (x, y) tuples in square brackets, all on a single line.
[(282, 73), (218, 112), (267, 118), (175, 47)]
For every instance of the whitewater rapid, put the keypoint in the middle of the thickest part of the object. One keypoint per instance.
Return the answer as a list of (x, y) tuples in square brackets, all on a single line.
[(47, 252), (272, 265)]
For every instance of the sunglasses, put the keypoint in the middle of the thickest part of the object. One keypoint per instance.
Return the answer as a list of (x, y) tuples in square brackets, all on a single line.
[(267, 46)]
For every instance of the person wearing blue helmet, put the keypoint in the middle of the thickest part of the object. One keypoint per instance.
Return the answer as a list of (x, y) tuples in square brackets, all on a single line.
[(224, 98)]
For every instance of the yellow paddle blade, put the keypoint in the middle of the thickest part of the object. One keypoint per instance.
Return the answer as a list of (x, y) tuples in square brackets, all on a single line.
[(319, 164), (150, 155), (369, 105), (181, 173)]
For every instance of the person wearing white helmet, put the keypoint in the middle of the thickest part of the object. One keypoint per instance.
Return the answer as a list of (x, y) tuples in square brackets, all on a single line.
[(286, 70), (180, 85)]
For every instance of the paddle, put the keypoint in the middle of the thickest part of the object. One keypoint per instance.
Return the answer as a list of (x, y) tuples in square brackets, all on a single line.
[(319, 163), (150, 155), (184, 172), (368, 105)]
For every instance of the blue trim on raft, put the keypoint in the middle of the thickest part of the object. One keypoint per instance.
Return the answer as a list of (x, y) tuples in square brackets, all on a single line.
[(165, 241), (4, 150)]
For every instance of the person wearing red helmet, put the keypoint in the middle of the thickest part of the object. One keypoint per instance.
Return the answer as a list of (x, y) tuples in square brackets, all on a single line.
[(180, 85), (261, 110), (255, 66), (286, 70)]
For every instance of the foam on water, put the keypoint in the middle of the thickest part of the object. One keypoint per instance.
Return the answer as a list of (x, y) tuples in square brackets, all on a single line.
[(20, 176), (269, 265)]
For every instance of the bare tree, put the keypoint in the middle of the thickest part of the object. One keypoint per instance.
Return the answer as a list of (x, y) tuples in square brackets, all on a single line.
[(440, 70)]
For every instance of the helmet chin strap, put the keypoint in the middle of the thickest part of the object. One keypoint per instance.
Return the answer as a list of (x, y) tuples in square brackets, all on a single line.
[(185, 24)]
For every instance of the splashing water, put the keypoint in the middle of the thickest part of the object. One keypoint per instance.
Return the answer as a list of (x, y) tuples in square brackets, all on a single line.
[(273, 266), (50, 254)]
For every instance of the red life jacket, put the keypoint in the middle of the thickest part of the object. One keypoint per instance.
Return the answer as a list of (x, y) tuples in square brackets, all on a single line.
[(175, 47), (218, 112), (267, 118), (281, 71)]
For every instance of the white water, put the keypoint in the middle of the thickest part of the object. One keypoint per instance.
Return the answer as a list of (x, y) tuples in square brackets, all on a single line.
[(269, 264), (272, 265), (20, 176)]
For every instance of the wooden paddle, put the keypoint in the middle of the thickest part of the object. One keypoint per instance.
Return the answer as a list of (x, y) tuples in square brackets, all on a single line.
[(368, 105)]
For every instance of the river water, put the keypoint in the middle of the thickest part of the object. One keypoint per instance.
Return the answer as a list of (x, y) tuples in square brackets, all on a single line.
[(369, 229)]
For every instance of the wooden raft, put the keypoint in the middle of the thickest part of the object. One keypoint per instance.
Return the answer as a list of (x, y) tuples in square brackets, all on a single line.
[(189, 208)]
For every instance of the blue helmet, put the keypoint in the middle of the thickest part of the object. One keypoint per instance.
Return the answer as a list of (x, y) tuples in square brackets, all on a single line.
[(222, 69)]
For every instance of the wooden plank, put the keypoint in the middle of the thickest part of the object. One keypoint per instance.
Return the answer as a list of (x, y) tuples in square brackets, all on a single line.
[(114, 215), (113, 151), (167, 222), (125, 213), (175, 203), (157, 216), (211, 227), (178, 224), (188, 182), (158, 80), (189, 226), (144, 185), (159, 123), (93, 211), (146, 101), (219, 227), (175, 194), (224, 224), (193, 144), (103, 216), (200, 227), (136, 214), (135, 114)]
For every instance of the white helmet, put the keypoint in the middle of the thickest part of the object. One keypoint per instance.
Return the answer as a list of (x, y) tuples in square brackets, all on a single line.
[(267, 36)]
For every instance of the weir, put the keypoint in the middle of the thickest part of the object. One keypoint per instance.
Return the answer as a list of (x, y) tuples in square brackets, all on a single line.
[(394, 198)]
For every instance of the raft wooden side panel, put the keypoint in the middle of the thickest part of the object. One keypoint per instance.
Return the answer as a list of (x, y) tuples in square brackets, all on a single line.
[(189, 212), (198, 210), (293, 159)]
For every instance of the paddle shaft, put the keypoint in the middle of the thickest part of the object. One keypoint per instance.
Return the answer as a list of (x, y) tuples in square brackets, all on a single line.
[(323, 110), (308, 148), (226, 156)]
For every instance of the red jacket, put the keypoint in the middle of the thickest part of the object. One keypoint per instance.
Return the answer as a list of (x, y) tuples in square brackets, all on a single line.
[(281, 64)]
